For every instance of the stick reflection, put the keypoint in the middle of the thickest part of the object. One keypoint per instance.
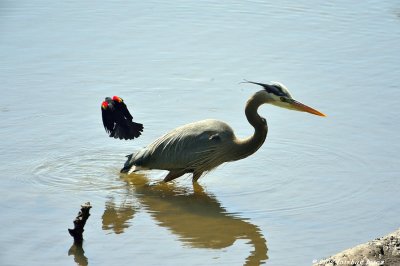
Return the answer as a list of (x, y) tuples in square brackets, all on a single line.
[(79, 254), (194, 215)]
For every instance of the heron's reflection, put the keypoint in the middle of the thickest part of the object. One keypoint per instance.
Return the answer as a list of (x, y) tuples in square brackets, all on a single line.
[(194, 215), (115, 217)]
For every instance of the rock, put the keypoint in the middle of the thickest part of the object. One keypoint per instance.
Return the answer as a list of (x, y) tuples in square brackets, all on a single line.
[(381, 251)]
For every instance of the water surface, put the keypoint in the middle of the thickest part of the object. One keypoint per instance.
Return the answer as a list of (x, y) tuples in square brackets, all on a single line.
[(317, 186)]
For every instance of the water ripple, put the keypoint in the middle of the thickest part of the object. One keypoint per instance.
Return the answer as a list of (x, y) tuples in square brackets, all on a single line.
[(84, 170), (327, 177)]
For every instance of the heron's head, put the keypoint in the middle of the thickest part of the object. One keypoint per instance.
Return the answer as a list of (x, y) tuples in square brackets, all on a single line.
[(277, 94)]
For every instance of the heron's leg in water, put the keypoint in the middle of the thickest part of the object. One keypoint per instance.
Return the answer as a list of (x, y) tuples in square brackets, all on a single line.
[(196, 176), (172, 175)]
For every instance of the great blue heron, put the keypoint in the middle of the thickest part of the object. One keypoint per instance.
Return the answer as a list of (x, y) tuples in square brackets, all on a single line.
[(201, 146), (117, 120)]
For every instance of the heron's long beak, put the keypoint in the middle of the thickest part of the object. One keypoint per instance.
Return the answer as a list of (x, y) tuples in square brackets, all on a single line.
[(304, 108)]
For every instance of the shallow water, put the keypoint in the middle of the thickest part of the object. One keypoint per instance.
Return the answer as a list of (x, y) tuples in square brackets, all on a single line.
[(317, 186)]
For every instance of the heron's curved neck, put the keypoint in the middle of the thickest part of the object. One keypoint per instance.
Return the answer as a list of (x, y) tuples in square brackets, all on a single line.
[(248, 146)]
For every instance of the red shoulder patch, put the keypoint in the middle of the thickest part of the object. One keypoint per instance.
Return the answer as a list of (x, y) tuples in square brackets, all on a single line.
[(116, 98)]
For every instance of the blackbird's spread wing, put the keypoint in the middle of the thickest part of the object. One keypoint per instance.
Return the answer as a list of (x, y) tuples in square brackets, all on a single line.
[(117, 120), (121, 106), (107, 110)]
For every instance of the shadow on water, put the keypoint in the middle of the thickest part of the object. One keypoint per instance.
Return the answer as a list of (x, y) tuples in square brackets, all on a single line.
[(192, 214)]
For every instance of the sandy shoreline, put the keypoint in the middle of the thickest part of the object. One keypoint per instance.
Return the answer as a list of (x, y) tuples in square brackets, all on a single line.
[(381, 251)]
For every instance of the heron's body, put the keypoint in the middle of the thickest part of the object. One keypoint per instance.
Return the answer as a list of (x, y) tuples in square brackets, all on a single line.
[(193, 148), (186, 147), (201, 146)]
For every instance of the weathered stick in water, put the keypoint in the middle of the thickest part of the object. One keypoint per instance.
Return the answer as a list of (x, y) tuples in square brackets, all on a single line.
[(79, 223)]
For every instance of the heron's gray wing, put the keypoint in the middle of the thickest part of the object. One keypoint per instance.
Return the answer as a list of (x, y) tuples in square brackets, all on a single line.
[(191, 147)]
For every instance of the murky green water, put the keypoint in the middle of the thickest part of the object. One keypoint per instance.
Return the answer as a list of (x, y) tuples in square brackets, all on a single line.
[(317, 186)]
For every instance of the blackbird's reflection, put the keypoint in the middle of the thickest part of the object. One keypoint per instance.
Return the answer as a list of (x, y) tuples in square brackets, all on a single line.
[(192, 214)]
